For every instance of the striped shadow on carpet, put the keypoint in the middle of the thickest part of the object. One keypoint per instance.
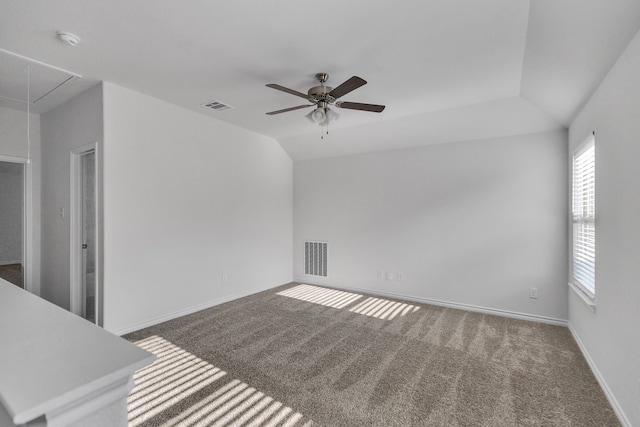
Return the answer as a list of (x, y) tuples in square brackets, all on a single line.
[(177, 374), (376, 307), (302, 355)]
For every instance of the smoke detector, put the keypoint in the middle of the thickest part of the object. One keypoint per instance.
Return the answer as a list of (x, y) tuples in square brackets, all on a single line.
[(68, 38)]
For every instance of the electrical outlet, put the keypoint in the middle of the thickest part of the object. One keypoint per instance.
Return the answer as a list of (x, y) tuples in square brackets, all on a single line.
[(533, 293), (399, 277), (388, 275), (380, 275), (225, 278)]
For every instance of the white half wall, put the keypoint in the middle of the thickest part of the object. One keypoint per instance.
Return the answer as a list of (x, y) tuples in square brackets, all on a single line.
[(475, 223), (13, 145), (188, 199), (611, 335), (75, 123)]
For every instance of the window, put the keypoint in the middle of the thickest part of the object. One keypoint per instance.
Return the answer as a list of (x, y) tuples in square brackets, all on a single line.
[(583, 214)]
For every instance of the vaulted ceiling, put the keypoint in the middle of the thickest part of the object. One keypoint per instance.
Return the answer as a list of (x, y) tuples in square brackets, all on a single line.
[(447, 70)]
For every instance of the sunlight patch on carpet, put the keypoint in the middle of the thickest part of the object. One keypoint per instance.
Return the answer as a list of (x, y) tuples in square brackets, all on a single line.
[(322, 296), (236, 404), (174, 376), (383, 308), (177, 374)]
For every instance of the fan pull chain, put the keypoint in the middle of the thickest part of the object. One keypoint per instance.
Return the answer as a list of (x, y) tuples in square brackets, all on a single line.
[(323, 131)]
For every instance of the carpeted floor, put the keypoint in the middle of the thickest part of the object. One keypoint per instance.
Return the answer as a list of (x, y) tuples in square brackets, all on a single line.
[(303, 355), (12, 273)]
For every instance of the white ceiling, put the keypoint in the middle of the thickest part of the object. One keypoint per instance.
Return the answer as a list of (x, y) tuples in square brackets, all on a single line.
[(44, 85), (447, 70)]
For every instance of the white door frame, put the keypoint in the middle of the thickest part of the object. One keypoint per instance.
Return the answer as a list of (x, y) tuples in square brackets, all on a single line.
[(27, 223), (75, 244)]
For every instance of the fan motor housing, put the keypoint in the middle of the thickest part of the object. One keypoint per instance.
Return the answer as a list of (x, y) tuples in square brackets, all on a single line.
[(321, 93)]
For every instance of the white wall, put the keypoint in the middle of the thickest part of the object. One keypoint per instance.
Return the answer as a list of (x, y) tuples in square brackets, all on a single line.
[(75, 123), (474, 223), (611, 335), (188, 198), (13, 132), (11, 212), (13, 146)]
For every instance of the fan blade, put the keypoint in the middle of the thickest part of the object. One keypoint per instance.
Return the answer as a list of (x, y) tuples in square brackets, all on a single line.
[(271, 113), (358, 106), (352, 84), (286, 89)]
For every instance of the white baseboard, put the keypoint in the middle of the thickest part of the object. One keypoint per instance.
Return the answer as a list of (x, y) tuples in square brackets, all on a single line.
[(603, 384), (189, 310), (460, 306)]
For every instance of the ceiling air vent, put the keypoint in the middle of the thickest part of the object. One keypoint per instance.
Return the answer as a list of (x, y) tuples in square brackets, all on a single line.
[(217, 106)]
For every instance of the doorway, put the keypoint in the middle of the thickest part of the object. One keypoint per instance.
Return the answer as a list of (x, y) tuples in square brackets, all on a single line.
[(85, 298), (12, 222)]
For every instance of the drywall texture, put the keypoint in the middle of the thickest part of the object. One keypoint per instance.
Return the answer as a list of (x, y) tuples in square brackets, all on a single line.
[(188, 198), (13, 132), (14, 145), (475, 223), (11, 207), (75, 123), (610, 335)]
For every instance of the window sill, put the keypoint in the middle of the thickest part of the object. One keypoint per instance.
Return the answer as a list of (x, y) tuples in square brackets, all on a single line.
[(591, 303)]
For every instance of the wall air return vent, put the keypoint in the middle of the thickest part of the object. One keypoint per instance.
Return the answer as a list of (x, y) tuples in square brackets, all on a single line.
[(315, 258), (217, 106)]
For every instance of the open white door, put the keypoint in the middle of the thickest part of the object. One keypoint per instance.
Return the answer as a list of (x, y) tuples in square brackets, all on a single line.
[(85, 300)]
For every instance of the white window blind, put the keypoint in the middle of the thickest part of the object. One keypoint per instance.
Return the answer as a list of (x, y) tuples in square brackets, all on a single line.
[(584, 212)]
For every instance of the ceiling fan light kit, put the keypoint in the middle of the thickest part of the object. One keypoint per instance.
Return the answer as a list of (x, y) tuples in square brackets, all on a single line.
[(331, 116), (323, 116), (316, 116), (323, 96)]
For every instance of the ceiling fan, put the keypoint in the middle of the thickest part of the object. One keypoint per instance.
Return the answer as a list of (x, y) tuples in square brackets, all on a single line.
[(323, 96)]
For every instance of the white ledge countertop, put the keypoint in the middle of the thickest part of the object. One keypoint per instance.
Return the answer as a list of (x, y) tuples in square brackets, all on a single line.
[(50, 358)]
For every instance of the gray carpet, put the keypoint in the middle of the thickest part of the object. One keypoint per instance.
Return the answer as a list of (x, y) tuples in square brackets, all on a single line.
[(302, 355), (12, 273)]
